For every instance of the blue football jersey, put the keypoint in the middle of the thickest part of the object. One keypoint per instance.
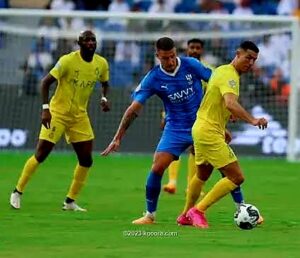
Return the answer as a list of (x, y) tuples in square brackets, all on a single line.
[(181, 91)]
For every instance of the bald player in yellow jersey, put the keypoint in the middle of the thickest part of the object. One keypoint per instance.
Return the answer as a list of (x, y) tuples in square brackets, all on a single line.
[(76, 75), (209, 131)]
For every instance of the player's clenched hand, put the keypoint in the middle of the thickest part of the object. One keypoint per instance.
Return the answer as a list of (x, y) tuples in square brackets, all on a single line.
[(232, 118), (262, 123), (112, 147), (104, 104), (46, 118), (228, 136)]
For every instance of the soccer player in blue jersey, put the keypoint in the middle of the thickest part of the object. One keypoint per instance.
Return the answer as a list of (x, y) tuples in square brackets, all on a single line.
[(177, 81)]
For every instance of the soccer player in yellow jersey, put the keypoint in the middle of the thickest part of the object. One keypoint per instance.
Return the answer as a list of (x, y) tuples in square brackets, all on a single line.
[(76, 75), (209, 133)]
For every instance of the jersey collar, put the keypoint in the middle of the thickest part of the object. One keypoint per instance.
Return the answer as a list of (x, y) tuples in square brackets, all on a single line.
[(176, 69)]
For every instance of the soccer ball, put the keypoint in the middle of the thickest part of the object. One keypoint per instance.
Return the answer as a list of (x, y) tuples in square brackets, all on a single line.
[(246, 216)]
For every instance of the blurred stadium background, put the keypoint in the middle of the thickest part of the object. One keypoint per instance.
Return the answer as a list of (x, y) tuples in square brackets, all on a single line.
[(31, 41), (35, 33)]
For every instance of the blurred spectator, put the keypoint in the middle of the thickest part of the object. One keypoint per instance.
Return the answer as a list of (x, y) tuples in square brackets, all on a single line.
[(243, 8), (64, 46), (287, 7), (117, 24), (203, 6), (185, 6), (36, 66), (162, 6), (127, 60), (280, 87), (143, 5), (68, 24), (4, 3), (296, 11), (66, 5), (92, 5), (48, 29)]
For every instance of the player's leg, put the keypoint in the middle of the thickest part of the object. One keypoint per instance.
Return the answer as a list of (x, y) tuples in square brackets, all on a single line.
[(169, 148), (173, 169), (233, 178), (236, 194), (222, 157), (153, 185), (47, 140), (194, 190), (192, 168), (238, 198), (84, 155), (81, 135)]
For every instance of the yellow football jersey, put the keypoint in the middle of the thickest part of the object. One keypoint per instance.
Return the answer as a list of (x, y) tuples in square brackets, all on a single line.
[(76, 80), (212, 115), (204, 83)]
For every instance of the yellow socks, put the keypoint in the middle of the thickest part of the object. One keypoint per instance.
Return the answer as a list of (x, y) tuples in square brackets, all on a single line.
[(193, 193), (28, 169), (220, 189), (173, 172), (192, 167), (80, 175)]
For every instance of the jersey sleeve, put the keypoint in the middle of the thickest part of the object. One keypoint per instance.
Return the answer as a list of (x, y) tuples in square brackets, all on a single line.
[(104, 77), (202, 72), (60, 68), (229, 83), (144, 90)]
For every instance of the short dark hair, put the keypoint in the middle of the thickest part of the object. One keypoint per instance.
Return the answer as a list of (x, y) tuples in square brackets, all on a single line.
[(165, 44), (249, 45), (197, 41)]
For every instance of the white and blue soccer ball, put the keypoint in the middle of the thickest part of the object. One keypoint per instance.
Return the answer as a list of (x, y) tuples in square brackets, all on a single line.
[(246, 216)]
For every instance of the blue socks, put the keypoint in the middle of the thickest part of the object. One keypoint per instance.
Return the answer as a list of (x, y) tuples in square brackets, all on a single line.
[(237, 195), (153, 186)]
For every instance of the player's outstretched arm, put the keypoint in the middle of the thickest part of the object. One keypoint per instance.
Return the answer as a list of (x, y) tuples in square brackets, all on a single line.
[(46, 115), (232, 104), (129, 116)]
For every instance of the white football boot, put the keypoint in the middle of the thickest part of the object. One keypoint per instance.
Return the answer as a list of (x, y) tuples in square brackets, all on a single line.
[(15, 200), (72, 206)]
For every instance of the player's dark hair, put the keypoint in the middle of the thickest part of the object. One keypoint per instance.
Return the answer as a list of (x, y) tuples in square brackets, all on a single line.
[(165, 44), (249, 45), (197, 41)]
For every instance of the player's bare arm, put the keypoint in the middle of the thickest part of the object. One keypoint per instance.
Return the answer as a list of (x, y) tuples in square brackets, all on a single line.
[(129, 116), (232, 104), (46, 115), (104, 103)]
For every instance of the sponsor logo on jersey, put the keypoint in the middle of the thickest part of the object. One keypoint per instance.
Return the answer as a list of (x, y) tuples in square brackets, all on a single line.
[(181, 95)]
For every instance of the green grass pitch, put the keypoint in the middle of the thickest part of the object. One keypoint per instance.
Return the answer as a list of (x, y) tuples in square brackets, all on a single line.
[(114, 196)]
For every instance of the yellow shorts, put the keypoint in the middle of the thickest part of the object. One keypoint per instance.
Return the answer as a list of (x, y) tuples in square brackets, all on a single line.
[(75, 129), (218, 154)]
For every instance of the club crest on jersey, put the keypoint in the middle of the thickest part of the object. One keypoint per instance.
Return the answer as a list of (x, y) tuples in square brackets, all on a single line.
[(189, 78), (232, 83)]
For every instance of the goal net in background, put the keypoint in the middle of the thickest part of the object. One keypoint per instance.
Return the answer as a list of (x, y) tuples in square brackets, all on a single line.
[(31, 41)]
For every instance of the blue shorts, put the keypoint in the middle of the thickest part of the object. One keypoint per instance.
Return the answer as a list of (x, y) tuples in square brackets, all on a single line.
[(174, 142)]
